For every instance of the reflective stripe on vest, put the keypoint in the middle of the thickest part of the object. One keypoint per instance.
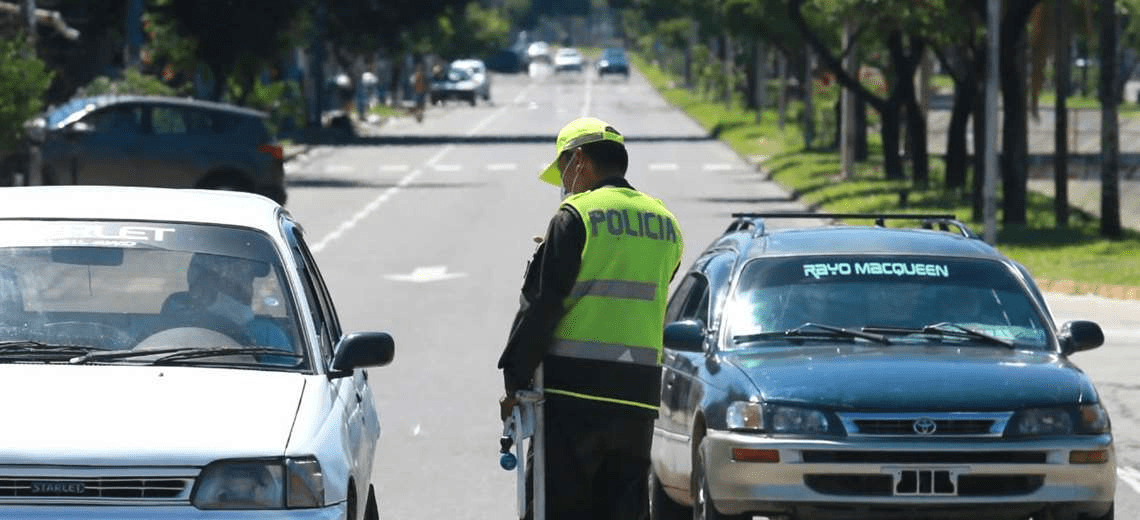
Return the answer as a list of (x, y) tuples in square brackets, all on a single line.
[(615, 289), (604, 352)]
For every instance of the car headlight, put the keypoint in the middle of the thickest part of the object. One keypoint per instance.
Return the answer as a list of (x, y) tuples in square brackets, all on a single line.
[(285, 483), (745, 415), (1084, 419)]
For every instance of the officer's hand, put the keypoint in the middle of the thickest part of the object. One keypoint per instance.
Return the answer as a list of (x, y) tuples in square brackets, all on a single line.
[(506, 404)]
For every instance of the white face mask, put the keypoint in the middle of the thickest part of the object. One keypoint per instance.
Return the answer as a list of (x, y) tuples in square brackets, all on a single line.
[(226, 305), (568, 192)]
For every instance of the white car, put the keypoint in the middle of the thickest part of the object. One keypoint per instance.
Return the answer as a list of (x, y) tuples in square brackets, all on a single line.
[(479, 76), (567, 59), (171, 354)]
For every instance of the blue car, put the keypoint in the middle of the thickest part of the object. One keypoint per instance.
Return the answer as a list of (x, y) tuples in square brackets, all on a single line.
[(873, 372)]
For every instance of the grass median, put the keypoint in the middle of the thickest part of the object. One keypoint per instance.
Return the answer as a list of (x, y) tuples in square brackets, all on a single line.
[(1074, 260)]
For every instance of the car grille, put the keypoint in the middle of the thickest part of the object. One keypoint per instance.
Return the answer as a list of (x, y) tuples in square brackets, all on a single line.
[(923, 457), (119, 489), (926, 425), (880, 485)]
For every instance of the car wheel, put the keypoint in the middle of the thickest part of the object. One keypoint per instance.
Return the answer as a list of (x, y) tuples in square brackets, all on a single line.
[(471, 99), (703, 506), (661, 507), (371, 508)]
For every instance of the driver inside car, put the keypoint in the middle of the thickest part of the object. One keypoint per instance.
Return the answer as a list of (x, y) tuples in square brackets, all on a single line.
[(220, 290)]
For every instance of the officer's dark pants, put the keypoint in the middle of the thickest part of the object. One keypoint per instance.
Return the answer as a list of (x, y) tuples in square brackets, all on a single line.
[(597, 462)]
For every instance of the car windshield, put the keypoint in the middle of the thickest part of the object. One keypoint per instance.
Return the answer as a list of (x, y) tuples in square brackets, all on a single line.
[(907, 298), (458, 74), (58, 115), (142, 286)]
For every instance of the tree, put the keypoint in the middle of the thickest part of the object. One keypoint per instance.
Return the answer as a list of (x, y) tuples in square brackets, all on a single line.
[(1110, 225), (231, 39), (23, 81)]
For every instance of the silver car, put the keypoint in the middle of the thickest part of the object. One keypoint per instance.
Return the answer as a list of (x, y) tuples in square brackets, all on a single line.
[(175, 354), (162, 142)]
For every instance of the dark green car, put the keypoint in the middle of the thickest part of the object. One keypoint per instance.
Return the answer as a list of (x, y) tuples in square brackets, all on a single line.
[(873, 372)]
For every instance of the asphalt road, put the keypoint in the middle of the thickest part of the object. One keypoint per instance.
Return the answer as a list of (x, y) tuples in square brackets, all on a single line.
[(424, 230)]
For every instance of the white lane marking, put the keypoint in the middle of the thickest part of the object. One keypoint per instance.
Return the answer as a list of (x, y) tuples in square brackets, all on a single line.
[(416, 431), (1129, 476), (292, 168), (720, 167), (372, 206), (1112, 335), (589, 95), (663, 167), (339, 168), (502, 167), (447, 167), (394, 168), (433, 273)]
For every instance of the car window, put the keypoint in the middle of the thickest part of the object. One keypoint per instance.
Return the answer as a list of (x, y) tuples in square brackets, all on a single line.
[(322, 312), (677, 302), (116, 119), (885, 291), (690, 301), (203, 122), (140, 285), (168, 120)]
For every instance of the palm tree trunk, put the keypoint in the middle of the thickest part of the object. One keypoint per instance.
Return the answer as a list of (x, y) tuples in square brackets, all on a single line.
[(1061, 129)]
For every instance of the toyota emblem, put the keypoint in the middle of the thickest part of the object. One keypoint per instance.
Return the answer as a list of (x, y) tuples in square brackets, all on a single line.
[(924, 426)]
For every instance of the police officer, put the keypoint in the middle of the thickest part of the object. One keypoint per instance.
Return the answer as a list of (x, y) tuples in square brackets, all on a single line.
[(592, 312)]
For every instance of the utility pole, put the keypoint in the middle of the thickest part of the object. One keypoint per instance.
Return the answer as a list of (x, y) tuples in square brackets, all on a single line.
[(35, 156), (317, 66), (1109, 125), (134, 33), (993, 23), (1061, 111)]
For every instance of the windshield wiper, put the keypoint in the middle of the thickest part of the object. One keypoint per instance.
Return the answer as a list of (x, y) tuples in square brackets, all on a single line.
[(942, 329), (179, 353), (39, 351), (814, 330)]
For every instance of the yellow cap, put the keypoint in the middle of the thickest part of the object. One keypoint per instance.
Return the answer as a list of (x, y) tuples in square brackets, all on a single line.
[(577, 133)]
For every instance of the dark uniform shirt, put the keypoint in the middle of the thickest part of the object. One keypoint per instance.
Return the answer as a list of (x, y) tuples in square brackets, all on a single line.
[(550, 276)]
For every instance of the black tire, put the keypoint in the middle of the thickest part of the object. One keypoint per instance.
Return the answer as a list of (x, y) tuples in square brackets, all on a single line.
[(703, 506), (372, 507), (661, 507), (471, 99)]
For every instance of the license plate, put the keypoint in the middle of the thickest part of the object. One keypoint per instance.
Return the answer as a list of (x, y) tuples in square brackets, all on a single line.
[(925, 481)]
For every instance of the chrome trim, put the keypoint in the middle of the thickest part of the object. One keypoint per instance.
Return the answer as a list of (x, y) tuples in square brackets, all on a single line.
[(998, 422)]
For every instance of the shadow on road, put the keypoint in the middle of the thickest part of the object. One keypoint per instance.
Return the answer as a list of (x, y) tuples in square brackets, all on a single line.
[(302, 180)]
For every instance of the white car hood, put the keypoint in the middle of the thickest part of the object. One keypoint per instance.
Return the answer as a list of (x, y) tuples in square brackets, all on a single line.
[(143, 415)]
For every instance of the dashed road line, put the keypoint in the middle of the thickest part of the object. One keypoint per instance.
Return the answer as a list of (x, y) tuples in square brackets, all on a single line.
[(339, 168), (1130, 476), (717, 167), (388, 168), (499, 167), (371, 207), (663, 167), (446, 167)]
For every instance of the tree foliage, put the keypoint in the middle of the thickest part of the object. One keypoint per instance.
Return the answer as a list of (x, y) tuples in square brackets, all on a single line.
[(23, 81)]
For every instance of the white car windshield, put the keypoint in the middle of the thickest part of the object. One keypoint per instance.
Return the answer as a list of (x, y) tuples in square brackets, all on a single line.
[(126, 288), (908, 298)]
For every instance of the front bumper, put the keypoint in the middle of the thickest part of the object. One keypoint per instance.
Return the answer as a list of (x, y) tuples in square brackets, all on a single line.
[(848, 478), (96, 512)]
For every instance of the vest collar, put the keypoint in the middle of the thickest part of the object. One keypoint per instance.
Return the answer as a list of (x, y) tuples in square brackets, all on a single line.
[(613, 182)]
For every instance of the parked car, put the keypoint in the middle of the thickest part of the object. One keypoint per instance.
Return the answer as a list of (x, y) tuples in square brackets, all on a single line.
[(568, 59), (175, 354), (538, 52), (162, 142), (479, 75), (506, 61), (873, 372), (455, 83), (613, 60)]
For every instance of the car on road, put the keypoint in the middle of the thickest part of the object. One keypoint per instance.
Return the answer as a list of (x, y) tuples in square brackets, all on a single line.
[(170, 353), (506, 61), (161, 142), (455, 83), (478, 71), (613, 60), (866, 371), (568, 59), (538, 52)]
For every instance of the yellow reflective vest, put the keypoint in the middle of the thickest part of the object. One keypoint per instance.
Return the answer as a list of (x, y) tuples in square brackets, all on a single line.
[(607, 345)]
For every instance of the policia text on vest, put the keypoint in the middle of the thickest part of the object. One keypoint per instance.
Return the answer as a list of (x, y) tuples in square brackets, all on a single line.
[(640, 224)]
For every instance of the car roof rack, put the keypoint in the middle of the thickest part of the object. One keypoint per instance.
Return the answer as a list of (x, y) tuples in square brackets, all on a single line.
[(943, 222)]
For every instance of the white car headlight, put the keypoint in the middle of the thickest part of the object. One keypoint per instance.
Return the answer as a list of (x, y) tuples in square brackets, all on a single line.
[(260, 484), (746, 415), (1084, 419)]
